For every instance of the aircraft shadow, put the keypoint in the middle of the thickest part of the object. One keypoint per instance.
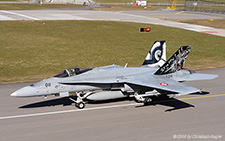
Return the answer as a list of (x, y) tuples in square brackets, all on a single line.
[(170, 102), (65, 101)]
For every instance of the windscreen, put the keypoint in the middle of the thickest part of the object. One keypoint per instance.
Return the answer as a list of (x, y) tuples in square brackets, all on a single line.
[(72, 72)]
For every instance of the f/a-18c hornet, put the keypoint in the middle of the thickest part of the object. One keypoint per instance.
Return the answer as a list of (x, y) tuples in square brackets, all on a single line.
[(155, 77)]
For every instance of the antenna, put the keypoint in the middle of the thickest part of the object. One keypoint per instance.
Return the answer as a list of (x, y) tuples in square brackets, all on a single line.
[(125, 65)]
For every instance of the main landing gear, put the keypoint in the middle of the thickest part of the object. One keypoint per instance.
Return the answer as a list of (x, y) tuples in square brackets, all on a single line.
[(146, 98), (79, 102), (140, 99)]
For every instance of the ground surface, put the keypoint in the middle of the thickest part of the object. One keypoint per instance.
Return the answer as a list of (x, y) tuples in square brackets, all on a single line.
[(149, 17), (25, 119), (32, 6), (198, 116), (25, 42)]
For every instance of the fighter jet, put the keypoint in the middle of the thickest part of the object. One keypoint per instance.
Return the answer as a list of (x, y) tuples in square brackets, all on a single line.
[(155, 77)]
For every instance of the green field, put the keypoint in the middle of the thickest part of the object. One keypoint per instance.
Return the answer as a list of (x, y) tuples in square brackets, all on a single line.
[(34, 51)]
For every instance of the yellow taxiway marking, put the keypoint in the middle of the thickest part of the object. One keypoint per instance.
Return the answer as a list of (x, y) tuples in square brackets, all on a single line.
[(119, 12), (202, 97), (179, 12), (182, 12)]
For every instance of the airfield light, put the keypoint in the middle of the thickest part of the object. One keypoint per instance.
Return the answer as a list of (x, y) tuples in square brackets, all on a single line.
[(148, 29)]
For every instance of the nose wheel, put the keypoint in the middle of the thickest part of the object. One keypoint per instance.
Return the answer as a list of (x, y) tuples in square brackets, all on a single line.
[(80, 105), (79, 102)]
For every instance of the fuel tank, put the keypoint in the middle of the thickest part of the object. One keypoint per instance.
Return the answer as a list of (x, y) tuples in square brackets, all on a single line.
[(105, 95)]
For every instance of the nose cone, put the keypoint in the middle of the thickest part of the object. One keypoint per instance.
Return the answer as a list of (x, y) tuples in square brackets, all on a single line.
[(14, 94), (24, 92)]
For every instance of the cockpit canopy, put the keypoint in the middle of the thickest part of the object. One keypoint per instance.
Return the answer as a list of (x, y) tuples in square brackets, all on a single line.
[(72, 72)]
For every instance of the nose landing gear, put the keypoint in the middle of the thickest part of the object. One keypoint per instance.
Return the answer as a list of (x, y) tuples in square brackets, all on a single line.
[(79, 102), (80, 105)]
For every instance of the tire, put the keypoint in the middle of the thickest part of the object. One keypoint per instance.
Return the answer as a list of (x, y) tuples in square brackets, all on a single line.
[(147, 100), (80, 105)]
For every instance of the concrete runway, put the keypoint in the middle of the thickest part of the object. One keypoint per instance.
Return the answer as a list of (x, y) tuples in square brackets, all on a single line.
[(197, 116), (148, 17)]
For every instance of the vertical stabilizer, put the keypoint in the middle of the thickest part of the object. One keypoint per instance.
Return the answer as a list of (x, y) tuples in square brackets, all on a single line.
[(157, 55), (176, 62)]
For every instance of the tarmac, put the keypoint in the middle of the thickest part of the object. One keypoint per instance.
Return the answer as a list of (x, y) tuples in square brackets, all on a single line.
[(195, 116), (158, 17)]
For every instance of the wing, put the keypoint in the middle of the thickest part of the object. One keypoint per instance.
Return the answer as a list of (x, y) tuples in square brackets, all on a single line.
[(159, 83), (164, 84)]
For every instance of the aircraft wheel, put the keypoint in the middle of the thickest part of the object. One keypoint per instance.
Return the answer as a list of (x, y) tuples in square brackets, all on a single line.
[(147, 100), (80, 105)]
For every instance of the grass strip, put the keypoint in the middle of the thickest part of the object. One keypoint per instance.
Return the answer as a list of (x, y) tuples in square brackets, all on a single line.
[(31, 51)]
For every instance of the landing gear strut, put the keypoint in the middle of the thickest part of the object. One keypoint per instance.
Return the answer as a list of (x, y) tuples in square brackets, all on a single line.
[(79, 103), (141, 99)]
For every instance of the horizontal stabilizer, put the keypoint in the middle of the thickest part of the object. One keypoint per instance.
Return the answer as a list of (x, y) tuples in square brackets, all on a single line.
[(197, 76)]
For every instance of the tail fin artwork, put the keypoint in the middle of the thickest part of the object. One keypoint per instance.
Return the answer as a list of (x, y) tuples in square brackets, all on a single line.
[(157, 55), (176, 62)]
